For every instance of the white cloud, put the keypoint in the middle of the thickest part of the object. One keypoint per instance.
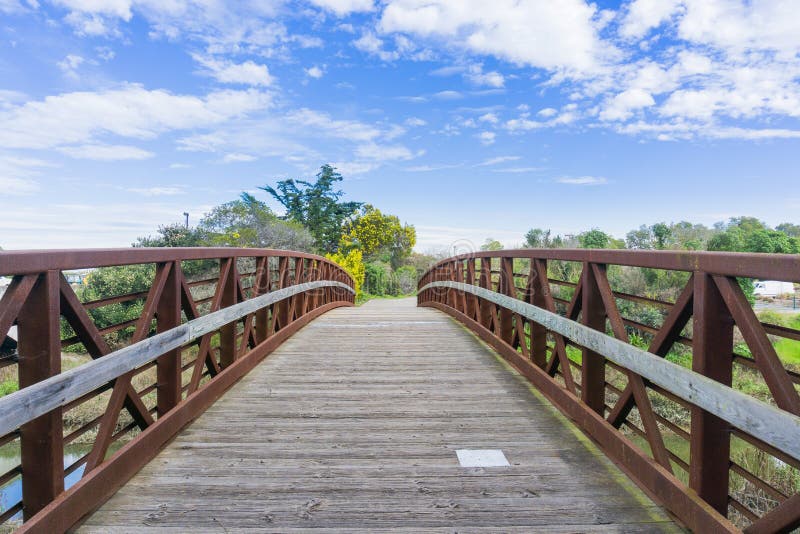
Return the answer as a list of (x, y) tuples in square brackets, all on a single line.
[(374, 151), (69, 65), (157, 191), (642, 15), (430, 168), (518, 170), (224, 71), (621, 106), (582, 180), (448, 95), (491, 118), (476, 76), (415, 122), (99, 152), (114, 8), (355, 168), (17, 175), (487, 138), (17, 187), (344, 129), (370, 44), (495, 161), (539, 33), (344, 7), (130, 111), (12, 6), (112, 224), (238, 158), (547, 112), (315, 72)]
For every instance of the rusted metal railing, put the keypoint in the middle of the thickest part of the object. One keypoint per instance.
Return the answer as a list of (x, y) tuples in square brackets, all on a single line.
[(190, 338), (692, 435)]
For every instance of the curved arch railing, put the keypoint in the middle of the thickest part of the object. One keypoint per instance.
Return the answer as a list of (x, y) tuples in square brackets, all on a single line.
[(196, 321), (713, 437)]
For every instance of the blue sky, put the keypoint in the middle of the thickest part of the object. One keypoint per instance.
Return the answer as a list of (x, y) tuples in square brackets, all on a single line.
[(469, 119)]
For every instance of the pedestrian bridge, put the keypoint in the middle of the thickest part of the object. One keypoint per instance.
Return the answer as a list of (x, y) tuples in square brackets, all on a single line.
[(520, 391)]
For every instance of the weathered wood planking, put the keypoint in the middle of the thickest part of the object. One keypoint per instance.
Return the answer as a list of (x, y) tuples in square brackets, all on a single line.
[(779, 428), (38, 399), (352, 425)]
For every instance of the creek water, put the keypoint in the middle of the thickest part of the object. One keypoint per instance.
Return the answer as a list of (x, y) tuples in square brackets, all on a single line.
[(11, 493)]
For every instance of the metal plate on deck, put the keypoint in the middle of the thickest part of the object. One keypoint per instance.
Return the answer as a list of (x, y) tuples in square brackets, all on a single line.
[(482, 458)]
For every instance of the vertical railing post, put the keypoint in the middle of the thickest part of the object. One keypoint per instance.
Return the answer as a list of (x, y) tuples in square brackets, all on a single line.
[(296, 301), (712, 348), (168, 366), (537, 288), (39, 348), (593, 365), (507, 287), (472, 300), (281, 308), (313, 276), (448, 274), (227, 333), (486, 308), (460, 296), (262, 282)]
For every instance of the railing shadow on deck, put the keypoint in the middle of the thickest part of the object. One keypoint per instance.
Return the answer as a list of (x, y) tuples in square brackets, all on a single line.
[(206, 317), (681, 432)]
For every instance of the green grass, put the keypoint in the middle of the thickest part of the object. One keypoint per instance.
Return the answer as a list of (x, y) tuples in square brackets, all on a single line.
[(9, 386), (788, 349)]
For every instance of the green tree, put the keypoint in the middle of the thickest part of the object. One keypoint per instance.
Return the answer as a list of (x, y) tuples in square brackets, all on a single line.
[(792, 230), (248, 222), (539, 238), (661, 233), (379, 279), (640, 239), (173, 235), (594, 238), (379, 236), (688, 236), (316, 206), (491, 244)]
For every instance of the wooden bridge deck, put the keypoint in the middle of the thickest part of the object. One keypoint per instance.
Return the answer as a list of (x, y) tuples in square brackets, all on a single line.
[(353, 424)]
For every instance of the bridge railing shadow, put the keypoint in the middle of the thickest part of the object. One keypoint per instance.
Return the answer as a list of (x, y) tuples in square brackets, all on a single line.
[(678, 380), (151, 359)]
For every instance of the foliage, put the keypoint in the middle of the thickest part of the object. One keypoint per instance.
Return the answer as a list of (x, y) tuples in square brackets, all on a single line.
[(792, 230), (649, 237), (748, 234), (379, 279), (173, 235), (248, 222), (594, 238), (316, 206), (379, 236), (539, 238), (491, 244), (7, 387), (114, 281), (406, 277), (353, 263)]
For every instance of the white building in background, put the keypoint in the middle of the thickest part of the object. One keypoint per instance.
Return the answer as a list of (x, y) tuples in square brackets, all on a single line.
[(773, 288)]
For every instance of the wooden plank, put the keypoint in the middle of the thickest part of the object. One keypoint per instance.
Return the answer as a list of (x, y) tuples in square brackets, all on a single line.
[(361, 436), (771, 425), (38, 399)]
